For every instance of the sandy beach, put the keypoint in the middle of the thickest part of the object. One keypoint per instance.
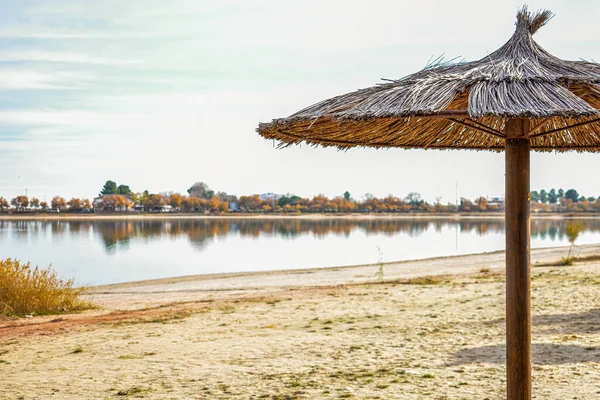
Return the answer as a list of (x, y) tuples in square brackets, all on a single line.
[(424, 329)]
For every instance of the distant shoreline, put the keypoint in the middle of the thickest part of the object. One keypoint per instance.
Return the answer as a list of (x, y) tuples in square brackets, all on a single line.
[(191, 216)]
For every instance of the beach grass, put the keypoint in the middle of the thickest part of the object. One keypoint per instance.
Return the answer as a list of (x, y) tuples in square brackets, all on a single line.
[(27, 290)]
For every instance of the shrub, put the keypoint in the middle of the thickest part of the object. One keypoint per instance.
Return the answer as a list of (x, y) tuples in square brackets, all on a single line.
[(573, 229), (25, 290)]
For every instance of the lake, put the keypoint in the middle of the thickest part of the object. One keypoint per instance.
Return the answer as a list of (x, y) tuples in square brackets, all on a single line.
[(110, 251)]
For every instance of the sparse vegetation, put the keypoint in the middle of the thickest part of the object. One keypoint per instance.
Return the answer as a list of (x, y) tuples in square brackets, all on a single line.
[(26, 291), (424, 280), (573, 230), (130, 392), (380, 270), (570, 261)]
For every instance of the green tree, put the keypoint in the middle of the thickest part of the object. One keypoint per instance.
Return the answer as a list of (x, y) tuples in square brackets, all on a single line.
[(124, 190), (109, 187), (572, 195), (414, 199), (543, 196), (535, 196), (552, 196), (561, 193), (347, 195)]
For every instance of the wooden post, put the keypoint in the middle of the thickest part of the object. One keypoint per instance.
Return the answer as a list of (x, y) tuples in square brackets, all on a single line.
[(518, 311)]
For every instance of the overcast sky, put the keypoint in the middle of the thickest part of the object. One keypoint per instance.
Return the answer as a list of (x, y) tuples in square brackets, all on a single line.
[(160, 94)]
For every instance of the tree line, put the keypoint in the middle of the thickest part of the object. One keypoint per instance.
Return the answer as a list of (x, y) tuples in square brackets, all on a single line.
[(24, 203), (563, 201), (200, 198)]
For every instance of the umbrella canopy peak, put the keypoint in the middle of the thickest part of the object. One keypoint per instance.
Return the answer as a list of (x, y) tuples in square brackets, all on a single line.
[(532, 22), (463, 105)]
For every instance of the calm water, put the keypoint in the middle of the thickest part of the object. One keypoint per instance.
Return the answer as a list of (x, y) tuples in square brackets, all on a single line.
[(99, 252)]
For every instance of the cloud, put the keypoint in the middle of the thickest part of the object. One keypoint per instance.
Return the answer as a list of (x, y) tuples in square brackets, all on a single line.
[(58, 57), (27, 79)]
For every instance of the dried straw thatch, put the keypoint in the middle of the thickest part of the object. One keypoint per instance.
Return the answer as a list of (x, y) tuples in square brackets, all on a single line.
[(463, 105)]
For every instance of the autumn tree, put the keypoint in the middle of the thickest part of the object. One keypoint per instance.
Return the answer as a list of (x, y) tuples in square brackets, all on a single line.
[(20, 202), (122, 203), (154, 201), (573, 230), (217, 205), (482, 203), (189, 204), (114, 202), (142, 199), (86, 204), (35, 203), (107, 203), (175, 200), (44, 206), (4, 204), (58, 203), (250, 203), (75, 204), (465, 205)]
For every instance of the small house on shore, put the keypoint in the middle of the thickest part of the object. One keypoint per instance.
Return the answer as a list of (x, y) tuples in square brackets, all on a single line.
[(112, 203)]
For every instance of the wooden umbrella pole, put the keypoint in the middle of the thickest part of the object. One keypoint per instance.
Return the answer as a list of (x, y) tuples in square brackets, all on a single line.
[(518, 312)]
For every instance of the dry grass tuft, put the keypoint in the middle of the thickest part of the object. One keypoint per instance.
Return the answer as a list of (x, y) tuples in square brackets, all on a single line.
[(568, 261), (26, 291), (424, 280)]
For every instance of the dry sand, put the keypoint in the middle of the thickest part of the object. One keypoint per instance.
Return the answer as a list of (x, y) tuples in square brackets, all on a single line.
[(314, 334)]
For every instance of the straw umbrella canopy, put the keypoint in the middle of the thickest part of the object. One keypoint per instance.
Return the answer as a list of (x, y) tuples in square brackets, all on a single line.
[(519, 99)]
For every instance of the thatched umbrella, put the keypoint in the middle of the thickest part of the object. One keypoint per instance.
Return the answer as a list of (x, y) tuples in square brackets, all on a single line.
[(518, 98)]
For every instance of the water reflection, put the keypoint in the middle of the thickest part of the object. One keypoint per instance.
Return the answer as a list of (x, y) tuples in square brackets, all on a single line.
[(116, 235)]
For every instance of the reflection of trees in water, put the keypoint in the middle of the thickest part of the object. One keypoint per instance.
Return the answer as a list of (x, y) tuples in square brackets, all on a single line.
[(555, 229), (79, 228), (34, 228), (116, 234)]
